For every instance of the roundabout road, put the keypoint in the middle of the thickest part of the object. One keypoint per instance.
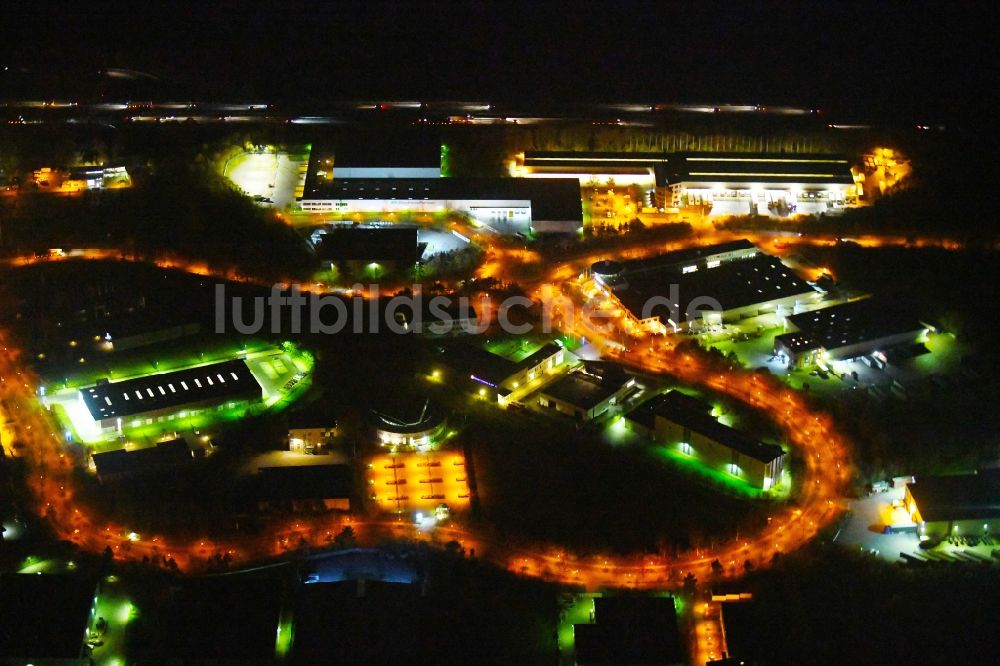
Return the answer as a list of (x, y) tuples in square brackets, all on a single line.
[(813, 436)]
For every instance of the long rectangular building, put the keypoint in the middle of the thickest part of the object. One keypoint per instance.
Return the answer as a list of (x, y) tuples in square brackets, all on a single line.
[(544, 206), (687, 423), (777, 184), (133, 402), (962, 504)]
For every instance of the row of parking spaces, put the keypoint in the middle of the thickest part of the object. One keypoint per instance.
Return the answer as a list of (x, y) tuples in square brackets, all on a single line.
[(924, 557), (404, 482)]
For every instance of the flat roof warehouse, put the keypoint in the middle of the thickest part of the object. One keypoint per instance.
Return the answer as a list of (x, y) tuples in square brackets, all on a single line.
[(551, 198), (216, 381)]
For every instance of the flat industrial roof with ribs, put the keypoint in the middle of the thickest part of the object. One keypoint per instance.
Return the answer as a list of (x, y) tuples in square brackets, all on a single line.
[(957, 497), (852, 323), (217, 381), (734, 285)]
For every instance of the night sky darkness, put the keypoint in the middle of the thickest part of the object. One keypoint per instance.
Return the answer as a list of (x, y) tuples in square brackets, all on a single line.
[(925, 62)]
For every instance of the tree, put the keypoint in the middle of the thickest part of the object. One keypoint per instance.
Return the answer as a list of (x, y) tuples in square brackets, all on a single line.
[(345, 538)]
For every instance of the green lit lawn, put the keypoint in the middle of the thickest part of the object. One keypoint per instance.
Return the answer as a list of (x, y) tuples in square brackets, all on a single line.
[(690, 465), (517, 348)]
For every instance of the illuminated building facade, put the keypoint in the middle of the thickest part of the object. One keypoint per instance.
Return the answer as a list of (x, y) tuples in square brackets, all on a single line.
[(680, 420), (957, 505)]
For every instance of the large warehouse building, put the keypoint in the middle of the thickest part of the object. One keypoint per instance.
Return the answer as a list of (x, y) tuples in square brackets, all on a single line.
[(847, 331), (762, 184), (505, 204), (702, 286), (160, 397), (776, 184)]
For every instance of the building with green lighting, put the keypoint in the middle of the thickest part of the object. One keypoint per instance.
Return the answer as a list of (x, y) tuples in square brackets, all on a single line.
[(132, 403), (686, 423), (959, 505), (630, 630)]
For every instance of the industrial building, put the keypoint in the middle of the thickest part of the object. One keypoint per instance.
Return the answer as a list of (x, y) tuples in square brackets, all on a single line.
[(686, 422), (630, 630), (46, 618), (305, 488), (164, 456), (848, 331), (178, 394), (588, 391), (701, 287), (379, 155), (389, 244), (960, 505), (504, 204), (776, 184), (760, 184), (495, 377)]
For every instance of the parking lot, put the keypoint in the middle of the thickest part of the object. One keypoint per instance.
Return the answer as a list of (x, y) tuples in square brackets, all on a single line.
[(405, 482), (270, 178)]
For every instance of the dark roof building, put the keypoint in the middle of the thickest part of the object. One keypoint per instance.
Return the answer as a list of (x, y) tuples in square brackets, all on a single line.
[(368, 243), (630, 630), (164, 456), (955, 498), (645, 413), (741, 288), (162, 393), (289, 485), (687, 412), (758, 168), (852, 329), (45, 617)]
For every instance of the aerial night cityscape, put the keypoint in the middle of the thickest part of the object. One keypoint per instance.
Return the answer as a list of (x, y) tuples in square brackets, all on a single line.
[(650, 333)]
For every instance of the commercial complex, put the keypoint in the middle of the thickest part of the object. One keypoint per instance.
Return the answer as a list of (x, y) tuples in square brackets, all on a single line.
[(703, 286), (505, 204), (847, 331), (589, 391), (776, 184), (960, 505), (160, 397), (761, 184), (686, 423), (495, 377)]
